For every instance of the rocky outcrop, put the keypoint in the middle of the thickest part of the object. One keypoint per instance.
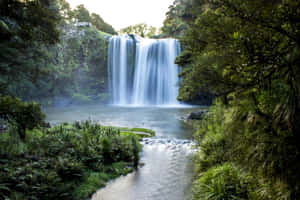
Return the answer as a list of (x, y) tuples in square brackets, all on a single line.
[(197, 115), (83, 24), (3, 126)]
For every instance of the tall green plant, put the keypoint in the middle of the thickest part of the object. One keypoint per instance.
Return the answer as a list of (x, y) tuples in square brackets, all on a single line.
[(22, 115)]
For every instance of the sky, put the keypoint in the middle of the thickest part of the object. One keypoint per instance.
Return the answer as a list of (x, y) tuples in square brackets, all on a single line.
[(123, 13)]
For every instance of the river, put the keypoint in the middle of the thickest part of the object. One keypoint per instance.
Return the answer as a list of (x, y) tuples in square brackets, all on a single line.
[(167, 169)]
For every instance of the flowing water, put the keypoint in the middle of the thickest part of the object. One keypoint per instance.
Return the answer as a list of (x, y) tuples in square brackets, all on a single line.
[(142, 71), (168, 170)]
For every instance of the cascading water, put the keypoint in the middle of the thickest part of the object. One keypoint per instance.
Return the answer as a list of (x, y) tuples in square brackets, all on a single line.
[(121, 68), (142, 71)]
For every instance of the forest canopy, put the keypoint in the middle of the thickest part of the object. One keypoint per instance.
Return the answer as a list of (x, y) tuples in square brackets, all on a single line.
[(43, 51)]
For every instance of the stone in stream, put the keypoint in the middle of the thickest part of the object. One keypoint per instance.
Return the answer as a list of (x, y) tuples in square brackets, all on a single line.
[(197, 115), (3, 127)]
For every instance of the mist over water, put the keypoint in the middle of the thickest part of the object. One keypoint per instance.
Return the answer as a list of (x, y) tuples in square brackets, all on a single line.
[(142, 71)]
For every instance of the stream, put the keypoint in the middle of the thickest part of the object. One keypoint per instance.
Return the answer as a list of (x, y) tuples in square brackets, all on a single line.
[(167, 169)]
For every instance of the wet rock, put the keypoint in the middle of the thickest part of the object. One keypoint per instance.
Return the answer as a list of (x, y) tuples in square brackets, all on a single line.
[(3, 127), (47, 125), (197, 115), (141, 164)]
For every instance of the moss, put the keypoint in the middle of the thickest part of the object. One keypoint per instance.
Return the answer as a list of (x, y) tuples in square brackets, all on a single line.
[(139, 131)]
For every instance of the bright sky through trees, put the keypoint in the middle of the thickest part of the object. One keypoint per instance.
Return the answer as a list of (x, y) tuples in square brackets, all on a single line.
[(122, 13)]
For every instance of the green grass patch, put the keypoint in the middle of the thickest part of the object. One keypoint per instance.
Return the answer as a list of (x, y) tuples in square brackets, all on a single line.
[(93, 181), (143, 132)]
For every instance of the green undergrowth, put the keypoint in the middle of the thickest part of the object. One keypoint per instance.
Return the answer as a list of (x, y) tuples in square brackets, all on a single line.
[(68, 161), (137, 132), (235, 161), (92, 180), (224, 182), (219, 177)]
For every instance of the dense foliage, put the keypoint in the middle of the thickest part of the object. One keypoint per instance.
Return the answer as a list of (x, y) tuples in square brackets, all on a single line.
[(81, 14), (246, 52), (70, 161), (77, 68), (174, 25), (24, 26), (44, 55), (22, 115), (25, 21)]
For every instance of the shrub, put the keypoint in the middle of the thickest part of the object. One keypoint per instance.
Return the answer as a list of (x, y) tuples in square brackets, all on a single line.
[(59, 162), (23, 115), (223, 182), (211, 139)]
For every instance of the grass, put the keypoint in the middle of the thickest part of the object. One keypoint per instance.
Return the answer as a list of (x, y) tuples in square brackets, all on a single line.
[(225, 181), (93, 181), (141, 132)]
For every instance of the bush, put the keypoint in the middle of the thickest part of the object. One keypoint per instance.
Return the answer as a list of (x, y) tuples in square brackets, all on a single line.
[(60, 162), (223, 182), (21, 114), (211, 139)]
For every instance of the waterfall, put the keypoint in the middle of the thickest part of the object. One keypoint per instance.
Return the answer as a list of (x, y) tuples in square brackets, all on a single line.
[(142, 71)]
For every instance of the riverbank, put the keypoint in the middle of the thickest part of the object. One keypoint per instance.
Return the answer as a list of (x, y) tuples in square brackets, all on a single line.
[(166, 174), (167, 157), (69, 161)]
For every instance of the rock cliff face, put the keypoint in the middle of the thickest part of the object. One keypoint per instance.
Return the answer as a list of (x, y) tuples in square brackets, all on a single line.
[(73, 70), (84, 50), (80, 66), (197, 115)]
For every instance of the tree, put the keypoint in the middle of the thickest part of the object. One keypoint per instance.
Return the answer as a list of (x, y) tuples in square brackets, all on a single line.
[(97, 21), (29, 20), (101, 25), (247, 53), (142, 30), (174, 24), (26, 25), (65, 10), (23, 115), (82, 14)]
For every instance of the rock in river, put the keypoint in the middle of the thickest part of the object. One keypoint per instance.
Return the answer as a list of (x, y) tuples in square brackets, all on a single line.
[(197, 115)]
